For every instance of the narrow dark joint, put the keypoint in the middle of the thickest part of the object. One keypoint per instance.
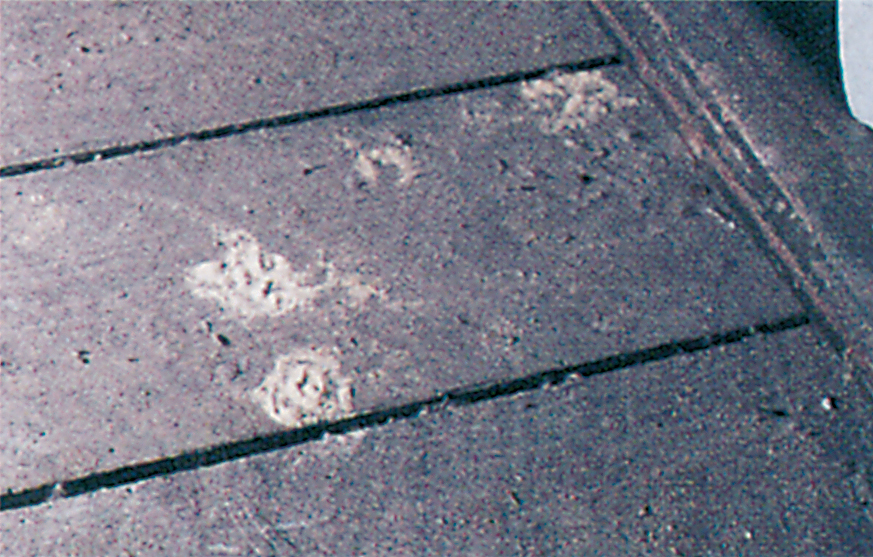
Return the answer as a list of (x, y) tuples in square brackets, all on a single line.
[(303, 116), (26, 498), (460, 397)]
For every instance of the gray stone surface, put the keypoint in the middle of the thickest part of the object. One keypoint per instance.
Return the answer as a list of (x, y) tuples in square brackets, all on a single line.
[(87, 75), (438, 244), (466, 239), (716, 453)]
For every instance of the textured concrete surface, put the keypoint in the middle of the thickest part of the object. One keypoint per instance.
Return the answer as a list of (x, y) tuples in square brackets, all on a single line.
[(712, 454), (418, 248), (781, 135), (79, 76), (220, 290)]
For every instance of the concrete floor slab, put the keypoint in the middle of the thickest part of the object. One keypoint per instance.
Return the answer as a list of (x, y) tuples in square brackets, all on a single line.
[(91, 75), (176, 300), (716, 452)]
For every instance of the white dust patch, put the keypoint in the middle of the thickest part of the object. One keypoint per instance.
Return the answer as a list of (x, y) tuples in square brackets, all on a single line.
[(368, 163), (32, 221), (250, 282), (573, 101), (254, 283), (358, 292), (305, 387)]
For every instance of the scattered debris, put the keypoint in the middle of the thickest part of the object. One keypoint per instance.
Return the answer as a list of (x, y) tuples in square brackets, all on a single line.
[(394, 152), (305, 387), (573, 101), (253, 283)]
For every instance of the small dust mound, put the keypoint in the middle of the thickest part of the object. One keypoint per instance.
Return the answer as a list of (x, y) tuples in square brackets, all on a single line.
[(253, 283), (304, 387), (393, 152), (573, 101)]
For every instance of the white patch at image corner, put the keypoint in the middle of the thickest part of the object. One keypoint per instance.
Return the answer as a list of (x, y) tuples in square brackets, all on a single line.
[(573, 101), (305, 387), (253, 283)]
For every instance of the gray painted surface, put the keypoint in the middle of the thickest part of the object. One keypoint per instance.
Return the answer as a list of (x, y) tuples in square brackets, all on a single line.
[(711, 454), (472, 238), (89, 74), (466, 245)]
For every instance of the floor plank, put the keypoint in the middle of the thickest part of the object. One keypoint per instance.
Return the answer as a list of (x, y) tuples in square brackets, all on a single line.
[(92, 75), (399, 253), (715, 452)]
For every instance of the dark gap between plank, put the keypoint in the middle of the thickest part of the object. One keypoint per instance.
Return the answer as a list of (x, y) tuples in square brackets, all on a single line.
[(304, 116), (459, 397)]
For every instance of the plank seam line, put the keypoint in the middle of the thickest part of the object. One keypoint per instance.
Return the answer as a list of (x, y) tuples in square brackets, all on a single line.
[(304, 116), (468, 395)]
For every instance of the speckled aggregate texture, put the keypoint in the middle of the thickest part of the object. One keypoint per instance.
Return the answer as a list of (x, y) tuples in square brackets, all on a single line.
[(224, 290), (148, 297), (122, 73), (711, 454)]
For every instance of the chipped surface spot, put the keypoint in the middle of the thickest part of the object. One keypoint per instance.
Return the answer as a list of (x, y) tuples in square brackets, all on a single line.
[(358, 291), (481, 115), (249, 282), (399, 156), (393, 153), (366, 169), (253, 283), (304, 387), (573, 101)]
